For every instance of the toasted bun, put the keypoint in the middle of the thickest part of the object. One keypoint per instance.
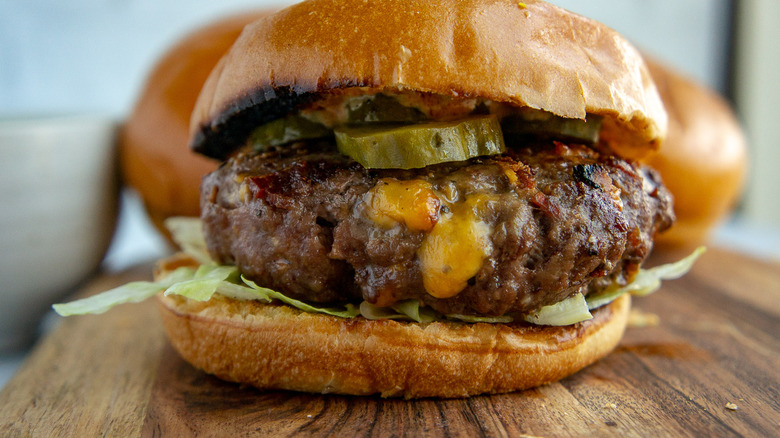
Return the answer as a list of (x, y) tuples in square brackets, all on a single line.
[(703, 161), (155, 157), (278, 347), (530, 54)]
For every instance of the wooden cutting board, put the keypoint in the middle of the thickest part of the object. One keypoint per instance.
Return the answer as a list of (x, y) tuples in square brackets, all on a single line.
[(710, 367)]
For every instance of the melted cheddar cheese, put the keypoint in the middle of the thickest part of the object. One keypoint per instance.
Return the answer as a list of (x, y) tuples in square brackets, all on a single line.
[(411, 203), (457, 239)]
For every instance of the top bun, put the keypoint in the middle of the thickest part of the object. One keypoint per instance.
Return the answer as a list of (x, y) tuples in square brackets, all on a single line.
[(529, 54)]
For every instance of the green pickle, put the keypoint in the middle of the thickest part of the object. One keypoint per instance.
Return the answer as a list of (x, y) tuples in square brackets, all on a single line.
[(286, 130), (420, 145), (585, 131), (385, 109)]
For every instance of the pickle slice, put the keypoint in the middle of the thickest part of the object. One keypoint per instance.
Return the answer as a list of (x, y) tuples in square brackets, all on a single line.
[(286, 130), (384, 109), (551, 126), (420, 145)]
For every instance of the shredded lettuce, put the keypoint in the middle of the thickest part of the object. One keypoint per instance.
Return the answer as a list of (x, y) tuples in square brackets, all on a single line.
[(187, 232), (473, 318), (604, 297), (406, 309), (204, 283), (349, 310), (569, 311), (241, 292), (412, 309), (134, 292), (647, 281), (370, 311)]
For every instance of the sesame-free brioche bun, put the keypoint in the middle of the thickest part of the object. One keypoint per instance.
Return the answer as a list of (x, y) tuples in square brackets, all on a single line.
[(529, 54), (272, 346), (155, 157), (703, 161)]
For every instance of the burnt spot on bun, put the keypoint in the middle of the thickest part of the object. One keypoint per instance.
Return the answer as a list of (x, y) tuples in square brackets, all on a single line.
[(223, 135)]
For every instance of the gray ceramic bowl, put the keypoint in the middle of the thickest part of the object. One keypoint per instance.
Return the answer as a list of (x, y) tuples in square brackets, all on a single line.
[(58, 210)]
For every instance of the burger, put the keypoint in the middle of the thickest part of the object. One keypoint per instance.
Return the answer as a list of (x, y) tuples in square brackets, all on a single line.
[(416, 199)]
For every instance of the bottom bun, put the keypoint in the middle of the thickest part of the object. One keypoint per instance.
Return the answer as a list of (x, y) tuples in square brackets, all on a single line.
[(278, 347)]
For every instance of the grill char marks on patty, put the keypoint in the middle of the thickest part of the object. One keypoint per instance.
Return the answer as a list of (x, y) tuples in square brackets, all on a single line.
[(530, 227)]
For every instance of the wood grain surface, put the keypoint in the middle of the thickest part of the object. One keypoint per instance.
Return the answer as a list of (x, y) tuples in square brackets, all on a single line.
[(710, 367)]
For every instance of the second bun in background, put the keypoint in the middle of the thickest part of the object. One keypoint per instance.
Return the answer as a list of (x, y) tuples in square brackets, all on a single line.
[(703, 161), (153, 143)]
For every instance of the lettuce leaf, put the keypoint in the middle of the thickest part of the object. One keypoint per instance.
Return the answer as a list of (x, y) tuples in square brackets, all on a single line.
[(187, 232), (241, 292), (569, 311), (370, 311), (647, 281), (412, 310), (204, 283), (349, 310), (134, 292), (474, 319), (406, 309)]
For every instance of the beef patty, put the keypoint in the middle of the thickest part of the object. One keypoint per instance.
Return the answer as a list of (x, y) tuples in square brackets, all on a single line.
[(490, 236)]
